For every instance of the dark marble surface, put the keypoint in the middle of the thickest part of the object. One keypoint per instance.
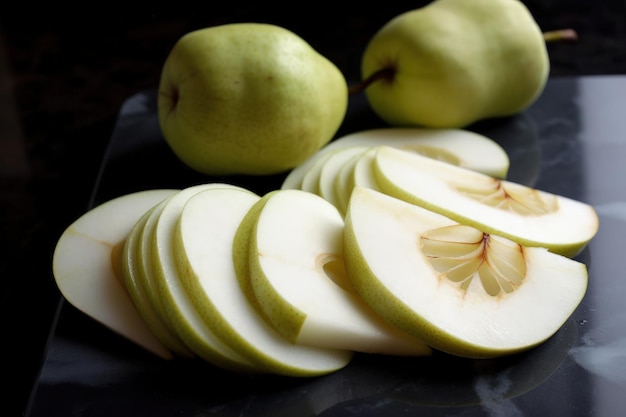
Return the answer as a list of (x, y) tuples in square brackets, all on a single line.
[(64, 77)]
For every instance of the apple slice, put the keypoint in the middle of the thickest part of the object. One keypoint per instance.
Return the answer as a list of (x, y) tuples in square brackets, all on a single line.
[(298, 278), (523, 214), (177, 303), (203, 247), (461, 290), (86, 270), (457, 146), (134, 282)]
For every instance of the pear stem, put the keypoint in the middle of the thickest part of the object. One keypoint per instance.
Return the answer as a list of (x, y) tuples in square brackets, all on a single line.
[(560, 35), (381, 74)]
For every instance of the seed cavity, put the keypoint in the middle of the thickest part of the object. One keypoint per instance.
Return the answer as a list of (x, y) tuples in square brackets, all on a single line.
[(512, 197), (466, 257)]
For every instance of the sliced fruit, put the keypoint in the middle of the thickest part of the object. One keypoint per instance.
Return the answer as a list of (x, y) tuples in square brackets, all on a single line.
[(86, 260), (134, 283), (457, 146), (177, 303), (330, 169), (298, 278), (310, 180), (461, 290), (203, 247), (342, 182), (528, 216)]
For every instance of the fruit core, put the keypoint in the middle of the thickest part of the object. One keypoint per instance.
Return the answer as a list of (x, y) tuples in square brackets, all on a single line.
[(335, 269), (473, 260), (510, 197), (116, 261)]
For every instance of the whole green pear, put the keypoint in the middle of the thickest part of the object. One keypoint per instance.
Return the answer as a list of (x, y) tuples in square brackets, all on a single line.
[(454, 62), (248, 98)]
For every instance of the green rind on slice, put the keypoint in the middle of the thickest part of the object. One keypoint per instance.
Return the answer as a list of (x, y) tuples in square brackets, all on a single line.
[(83, 267), (390, 271), (525, 215), (178, 306), (298, 277), (204, 240), (461, 147), (138, 293)]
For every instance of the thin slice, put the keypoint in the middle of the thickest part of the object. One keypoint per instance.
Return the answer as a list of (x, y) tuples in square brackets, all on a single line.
[(457, 288), (203, 244), (525, 215), (134, 284), (331, 168), (177, 303), (85, 265), (457, 146), (298, 278)]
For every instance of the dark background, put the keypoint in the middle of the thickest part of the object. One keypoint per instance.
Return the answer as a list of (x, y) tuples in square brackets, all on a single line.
[(64, 75)]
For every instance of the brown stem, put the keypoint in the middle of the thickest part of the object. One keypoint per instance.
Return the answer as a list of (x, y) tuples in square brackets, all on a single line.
[(383, 73), (560, 35), (388, 73)]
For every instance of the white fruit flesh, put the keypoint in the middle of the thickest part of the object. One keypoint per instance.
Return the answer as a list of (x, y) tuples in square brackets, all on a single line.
[(83, 269), (457, 146), (204, 243), (342, 183), (298, 278), (331, 168), (528, 216), (460, 290), (176, 301), (134, 283)]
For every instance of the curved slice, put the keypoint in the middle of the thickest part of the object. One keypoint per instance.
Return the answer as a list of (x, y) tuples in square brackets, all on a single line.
[(458, 289), (83, 267), (181, 312), (458, 146), (298, 278), (343, 183), (204, 240), (135, 281), (523, 214), (331, 168)]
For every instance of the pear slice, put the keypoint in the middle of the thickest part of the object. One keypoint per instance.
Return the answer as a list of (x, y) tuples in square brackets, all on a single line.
[(343, 182), (528, 216), (86, 267), (298, 278), (310, 180), (461, 290), (134, 282), (457, 146), (331, 168), (203, 247), (177, 303)]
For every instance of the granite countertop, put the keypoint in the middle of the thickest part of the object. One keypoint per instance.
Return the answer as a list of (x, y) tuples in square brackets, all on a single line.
[(64, 77)]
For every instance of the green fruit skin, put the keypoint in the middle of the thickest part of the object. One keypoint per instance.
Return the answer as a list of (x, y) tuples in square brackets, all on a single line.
[(248, 98), (457, 62)]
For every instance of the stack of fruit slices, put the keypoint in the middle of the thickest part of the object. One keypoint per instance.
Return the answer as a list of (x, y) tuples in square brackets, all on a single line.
[(424, 255)]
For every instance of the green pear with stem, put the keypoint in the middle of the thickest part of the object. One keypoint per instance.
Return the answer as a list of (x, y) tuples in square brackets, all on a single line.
[(454, 62)]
